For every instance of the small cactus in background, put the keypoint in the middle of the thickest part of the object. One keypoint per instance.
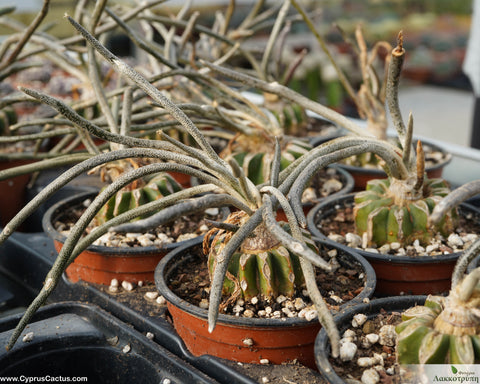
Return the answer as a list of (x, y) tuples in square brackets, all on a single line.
[(261, 266), (392, 210), (134, 196), (255, 155)]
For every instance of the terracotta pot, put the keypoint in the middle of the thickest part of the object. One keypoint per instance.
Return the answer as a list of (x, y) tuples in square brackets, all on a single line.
[(278, 340), (100, 264), (13, 191), (181, 178), (397, 275), (344, 321)]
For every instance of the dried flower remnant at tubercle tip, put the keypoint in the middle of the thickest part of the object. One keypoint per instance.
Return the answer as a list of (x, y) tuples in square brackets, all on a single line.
[(398, 50)]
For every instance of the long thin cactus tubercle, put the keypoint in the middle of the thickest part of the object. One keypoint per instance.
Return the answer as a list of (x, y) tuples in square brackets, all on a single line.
[(222, 265), (454, 198), (127, 71), (180, 209), (292, 96), (463, 261), (324, 315), (76, 232), (298, 247), (394, 70)]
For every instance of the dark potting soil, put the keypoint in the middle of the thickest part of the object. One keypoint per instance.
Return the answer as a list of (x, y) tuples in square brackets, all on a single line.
[(195, 224), (351, 370), (191, 282)]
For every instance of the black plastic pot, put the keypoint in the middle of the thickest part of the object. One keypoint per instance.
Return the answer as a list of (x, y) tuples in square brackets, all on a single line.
[(277, 340), (397, 274), (344, 320), (72, 339)]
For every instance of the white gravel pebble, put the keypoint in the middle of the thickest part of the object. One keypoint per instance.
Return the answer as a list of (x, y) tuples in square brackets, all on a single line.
[(353, 240), (387, 335), (128, 286), (348, 351), (151, 295), (370, 376), (28, 337), (358, 320)]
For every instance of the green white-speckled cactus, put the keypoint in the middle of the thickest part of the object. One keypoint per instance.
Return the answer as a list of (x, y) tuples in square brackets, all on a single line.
[(445, 329), (392, 210), (261, 266), (128, 198)]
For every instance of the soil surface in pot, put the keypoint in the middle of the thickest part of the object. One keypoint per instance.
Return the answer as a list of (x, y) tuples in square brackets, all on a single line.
[(184, 228), (191, 282), (375, 355), (340, 227), (325, 182)]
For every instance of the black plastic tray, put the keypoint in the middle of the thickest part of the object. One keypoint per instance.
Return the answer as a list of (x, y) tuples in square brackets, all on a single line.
[(25, 259), (82, 340)]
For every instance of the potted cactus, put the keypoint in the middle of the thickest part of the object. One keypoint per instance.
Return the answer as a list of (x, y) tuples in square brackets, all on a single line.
[(254, 219), (409, 176), (394, 211)]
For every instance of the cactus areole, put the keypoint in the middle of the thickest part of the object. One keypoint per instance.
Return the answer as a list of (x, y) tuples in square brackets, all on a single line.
[(261, 266), (394, 210)]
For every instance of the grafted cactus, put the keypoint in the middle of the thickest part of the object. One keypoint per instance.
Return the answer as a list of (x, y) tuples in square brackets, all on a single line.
[(255, 155), (392, 210), (128, 198), (261, 266), (445, 329)]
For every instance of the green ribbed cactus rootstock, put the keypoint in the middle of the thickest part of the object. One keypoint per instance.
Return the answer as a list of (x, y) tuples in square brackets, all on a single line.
[(443, 330), (388, 211), (255, 155), (262, 266), (125, 199)]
